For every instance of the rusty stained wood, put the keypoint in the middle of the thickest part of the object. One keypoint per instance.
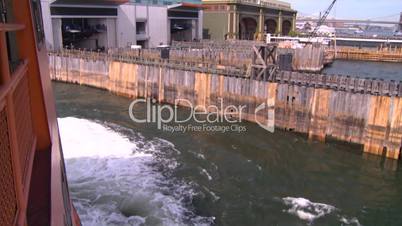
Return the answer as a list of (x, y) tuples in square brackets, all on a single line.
[(373, 54), (312, 104)]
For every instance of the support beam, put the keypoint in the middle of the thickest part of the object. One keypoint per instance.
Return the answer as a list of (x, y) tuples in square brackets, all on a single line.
[(261, 24), (233, 23), (294, 22), (47, 21), (236, 24), (279, 27), (230, 26), (57, 37)]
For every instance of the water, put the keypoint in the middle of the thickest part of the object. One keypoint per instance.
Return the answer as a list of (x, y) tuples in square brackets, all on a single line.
[(363, 69), (122, 173)]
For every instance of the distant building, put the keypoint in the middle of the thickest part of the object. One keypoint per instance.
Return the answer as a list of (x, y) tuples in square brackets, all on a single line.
[(304, 26), (103, 24), (247, 19), (400, 25), (324, 30)]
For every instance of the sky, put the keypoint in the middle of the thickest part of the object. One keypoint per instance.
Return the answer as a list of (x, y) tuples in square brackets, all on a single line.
[(351, 9)]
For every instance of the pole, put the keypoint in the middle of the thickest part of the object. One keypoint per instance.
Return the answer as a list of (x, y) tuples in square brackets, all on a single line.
[(335, 47)]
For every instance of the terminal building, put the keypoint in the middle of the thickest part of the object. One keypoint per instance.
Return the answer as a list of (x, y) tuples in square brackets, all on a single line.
[(247, 19), (103, 24)]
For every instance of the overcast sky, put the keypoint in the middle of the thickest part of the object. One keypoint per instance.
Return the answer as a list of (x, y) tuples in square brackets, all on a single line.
[(351, 9)]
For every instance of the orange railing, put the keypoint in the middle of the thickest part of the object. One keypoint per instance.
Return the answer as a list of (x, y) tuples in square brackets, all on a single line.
[(18, 141), (23, 122), (8, 198)]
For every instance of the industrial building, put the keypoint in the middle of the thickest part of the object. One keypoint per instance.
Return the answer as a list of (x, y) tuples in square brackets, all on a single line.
[(103, 24), (247, 19)]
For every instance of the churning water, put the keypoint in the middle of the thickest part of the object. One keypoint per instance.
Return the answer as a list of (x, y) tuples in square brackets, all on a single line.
[(117, 177)]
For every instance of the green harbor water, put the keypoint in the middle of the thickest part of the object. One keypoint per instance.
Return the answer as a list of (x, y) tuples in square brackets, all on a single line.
[(363, 69), (126, 173)]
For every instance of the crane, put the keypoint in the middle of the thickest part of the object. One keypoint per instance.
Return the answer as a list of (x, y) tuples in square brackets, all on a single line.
[(322, 19)]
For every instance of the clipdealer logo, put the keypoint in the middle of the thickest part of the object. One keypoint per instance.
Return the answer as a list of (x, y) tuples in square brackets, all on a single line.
[(269, 124), (211, 118)]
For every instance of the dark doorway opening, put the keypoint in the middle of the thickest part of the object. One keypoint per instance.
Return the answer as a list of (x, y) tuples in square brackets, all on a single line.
[(84, 33), (247, 28), (286, 27), (270, 26), (181, 30)]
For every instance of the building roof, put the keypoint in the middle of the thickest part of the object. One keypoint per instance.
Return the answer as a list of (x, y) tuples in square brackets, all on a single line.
[(166, 2), (275, 4), (90, 2), (186, 5)]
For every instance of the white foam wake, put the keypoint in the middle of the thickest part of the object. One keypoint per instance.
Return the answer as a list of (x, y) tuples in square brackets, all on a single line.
[(309, 211), (122, 180), (205, 172)]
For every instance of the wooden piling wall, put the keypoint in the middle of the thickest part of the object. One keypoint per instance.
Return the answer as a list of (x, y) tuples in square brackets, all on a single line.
[(363, 111), (378, 55), (310, 58)]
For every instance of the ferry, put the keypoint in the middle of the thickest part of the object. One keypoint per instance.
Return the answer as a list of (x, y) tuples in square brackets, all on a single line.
[(34, 189)]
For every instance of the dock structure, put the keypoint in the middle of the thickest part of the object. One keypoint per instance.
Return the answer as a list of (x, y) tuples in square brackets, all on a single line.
[(351, 109), (239, 53), (366, 54), (309, 58), (247, 19)]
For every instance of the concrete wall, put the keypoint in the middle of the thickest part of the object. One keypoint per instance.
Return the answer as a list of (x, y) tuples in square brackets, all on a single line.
[(56, 36), (216, 23), (200, 24), (142, 12), (47, 24), (156, 23), (111, 32), (126, 25)]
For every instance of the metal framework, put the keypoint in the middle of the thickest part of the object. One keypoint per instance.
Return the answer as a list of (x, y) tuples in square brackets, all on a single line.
[(263, 66), (322, 19)]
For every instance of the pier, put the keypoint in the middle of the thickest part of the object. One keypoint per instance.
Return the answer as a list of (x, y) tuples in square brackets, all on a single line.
[(369, 54), (352, 48), (356, 110)]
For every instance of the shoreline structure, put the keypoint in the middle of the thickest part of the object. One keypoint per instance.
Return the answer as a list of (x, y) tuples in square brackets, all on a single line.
[(356, 110)]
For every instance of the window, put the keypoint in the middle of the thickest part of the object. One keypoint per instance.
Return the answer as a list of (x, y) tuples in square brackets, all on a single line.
[(7, 16), (38, 23), (141, 28)]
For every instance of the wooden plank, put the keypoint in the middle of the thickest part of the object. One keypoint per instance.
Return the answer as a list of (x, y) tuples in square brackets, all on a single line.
[(7, 27)]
